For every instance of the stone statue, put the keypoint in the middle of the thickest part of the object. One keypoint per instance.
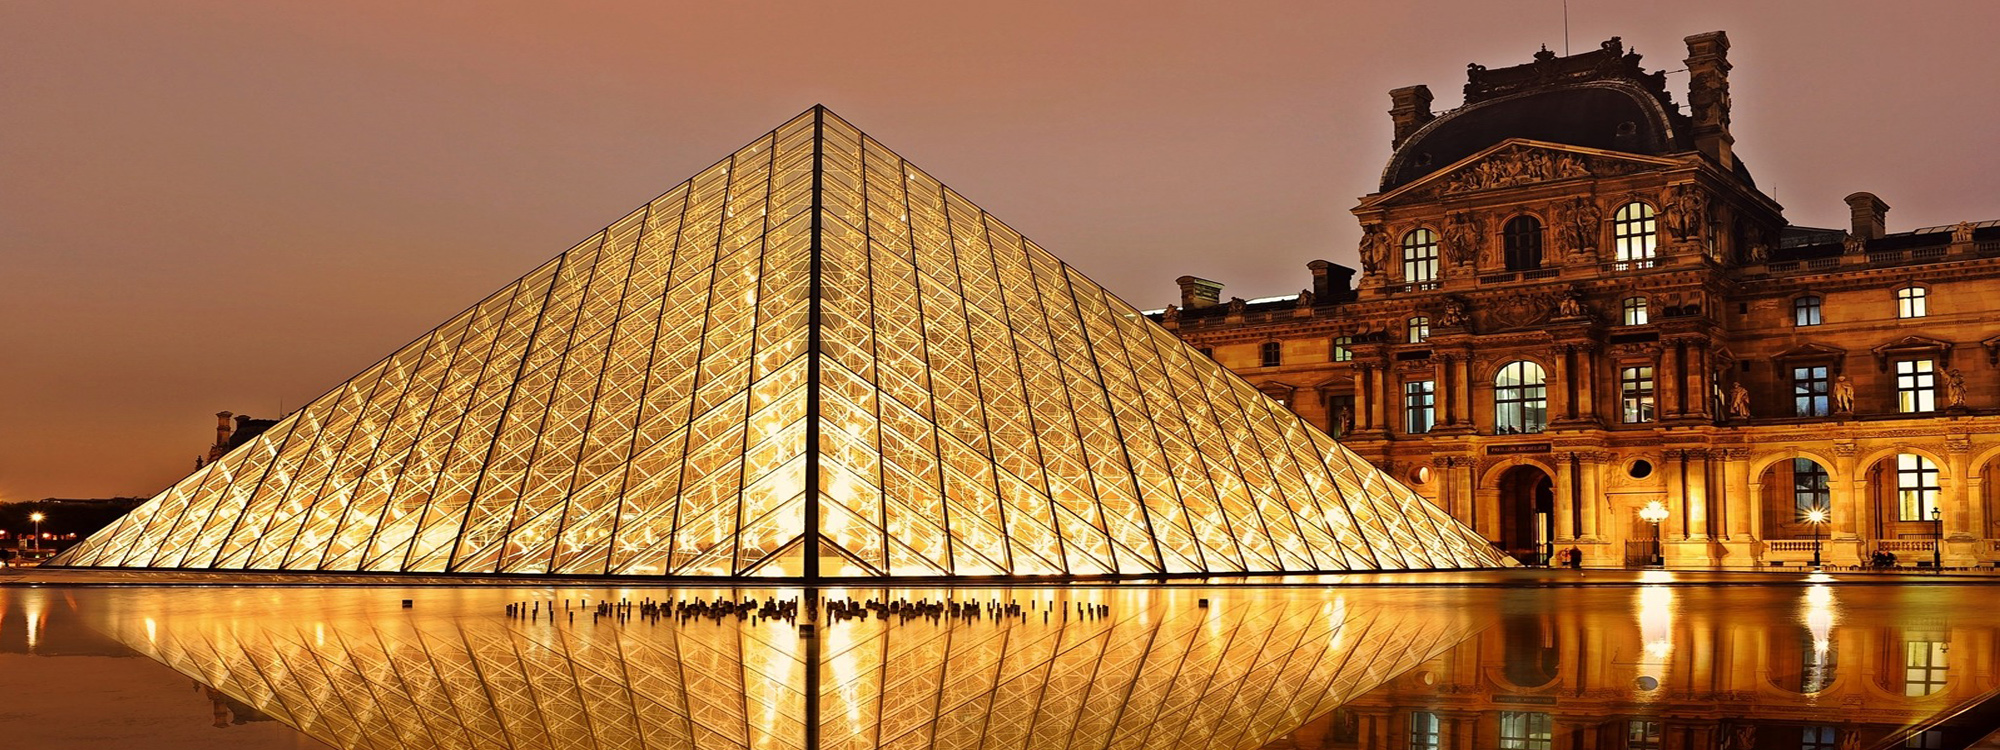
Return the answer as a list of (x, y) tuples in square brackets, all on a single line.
[(1739, 401), (1571, 304), (1516, 167), (1954, 388), (1758, 253), (1576, 223), (1374, 247), (1453, 315), (1687, 211), (1854, 244), (1236, 305), (1345, 422), (1461, 234), (1843, 395), (1305, 299), (1172, 315), (1961, 233)]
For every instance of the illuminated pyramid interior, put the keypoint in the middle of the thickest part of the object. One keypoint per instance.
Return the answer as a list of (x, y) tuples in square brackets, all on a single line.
[(812, 311)]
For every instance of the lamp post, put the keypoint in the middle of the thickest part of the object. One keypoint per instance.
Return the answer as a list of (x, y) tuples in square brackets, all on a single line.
[(1937, 539), (37, 518), (1654, 513), (1816, 517)]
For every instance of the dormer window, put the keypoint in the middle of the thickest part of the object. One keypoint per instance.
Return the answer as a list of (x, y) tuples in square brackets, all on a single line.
[(1521, 243), (1634, 232)]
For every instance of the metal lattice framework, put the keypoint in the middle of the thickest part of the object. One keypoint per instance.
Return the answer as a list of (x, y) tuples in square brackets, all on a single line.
[(812, 311), (1160, 673)]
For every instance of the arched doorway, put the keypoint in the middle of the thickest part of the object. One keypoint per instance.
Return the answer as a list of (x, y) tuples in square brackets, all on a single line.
[(1792, 488), (1527, 514)]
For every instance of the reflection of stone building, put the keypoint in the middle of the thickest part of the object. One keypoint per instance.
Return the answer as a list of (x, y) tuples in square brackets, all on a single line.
[(1736, 670), (1575, 301)]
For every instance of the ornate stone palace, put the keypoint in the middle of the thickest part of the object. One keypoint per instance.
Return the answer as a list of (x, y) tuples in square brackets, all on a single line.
[(1574, 303)]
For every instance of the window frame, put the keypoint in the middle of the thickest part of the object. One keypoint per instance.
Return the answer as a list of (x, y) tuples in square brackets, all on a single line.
[(1522, 243), (1536, 730), (1524, 397), (1812, 488), (1918, 490), (1912, 301), (1426, 730), (1638, 396), (1419, 406), (1270, 354), (1635, 235), (1419, 328), (1421, 263), (1634, 311), (1812, 395), (1926, 667), (1341, 349), (1807, 306), (1916, 387)]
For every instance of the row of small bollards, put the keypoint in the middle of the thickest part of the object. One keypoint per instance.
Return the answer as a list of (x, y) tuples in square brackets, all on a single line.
[(756, 611)]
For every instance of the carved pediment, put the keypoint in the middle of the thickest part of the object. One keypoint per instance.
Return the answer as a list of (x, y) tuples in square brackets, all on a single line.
[(1804, 352), (1519, 161), (1912, 346)]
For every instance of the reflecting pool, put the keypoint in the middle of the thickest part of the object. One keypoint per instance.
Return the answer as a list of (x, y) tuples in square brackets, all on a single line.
[(1641, 667)]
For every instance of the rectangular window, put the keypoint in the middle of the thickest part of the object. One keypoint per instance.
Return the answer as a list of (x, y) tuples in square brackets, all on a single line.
[(1819, 661), (1425, 730), (1271, 354), (1916, 386), (1805, 311), (1916, 487), (1912, 302), (1524, 730), (1341, 352), (1809, 391), (1924, 668), (1641, 734), (1635, 388), (1419, 406), (1812, 489), (1820, 737), (1634, 309)]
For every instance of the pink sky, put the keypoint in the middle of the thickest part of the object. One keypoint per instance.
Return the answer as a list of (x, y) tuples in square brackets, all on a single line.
[(213, 205)]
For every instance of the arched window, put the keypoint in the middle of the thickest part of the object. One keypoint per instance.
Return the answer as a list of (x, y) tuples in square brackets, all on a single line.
[(1520, 398), (1912, 302), (1916, 487), (1634, 310), (1270, 354), (1420, 329), (1805, 310), (1634, 232), (1420, 257), (1341, 352), (1521, 242)]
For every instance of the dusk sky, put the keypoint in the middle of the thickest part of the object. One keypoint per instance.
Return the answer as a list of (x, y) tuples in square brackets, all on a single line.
[(236, 205)]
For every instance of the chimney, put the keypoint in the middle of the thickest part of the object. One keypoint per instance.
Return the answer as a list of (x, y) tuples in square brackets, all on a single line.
[(1330, 279), (1708, 96), (1198, 292), (222, 427), (1410, 109), (1868, 215)]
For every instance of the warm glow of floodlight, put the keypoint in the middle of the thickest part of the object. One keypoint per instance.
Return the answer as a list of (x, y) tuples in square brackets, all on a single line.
[(1654, 512), (1816, 515), (36, 517)]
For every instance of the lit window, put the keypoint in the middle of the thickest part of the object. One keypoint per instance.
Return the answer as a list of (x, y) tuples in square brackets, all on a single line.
[(1805, 311), (1916, 386), (1634, 309), (1419, 406), (1924, 668), (1420, 257), (1520, 399), (1641, 734), (1635, 389), (1910, 302), (1817, 737), (1634, 232), (1521, 243), (1271, 354), (1420, 329), (1809, 391), (1523, 730), (1820, 659), (1425, 730), (1812, 489), (1341, 352), (1916, 487)]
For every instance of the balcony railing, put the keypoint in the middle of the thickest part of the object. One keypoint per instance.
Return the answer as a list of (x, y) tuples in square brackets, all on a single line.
[(1900, 546), (1791, 545)]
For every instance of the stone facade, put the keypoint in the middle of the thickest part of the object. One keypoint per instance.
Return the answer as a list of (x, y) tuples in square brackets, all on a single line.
[(1575, 302)]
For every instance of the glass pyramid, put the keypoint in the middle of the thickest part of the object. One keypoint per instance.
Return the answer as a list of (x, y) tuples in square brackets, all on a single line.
[(811, 311)]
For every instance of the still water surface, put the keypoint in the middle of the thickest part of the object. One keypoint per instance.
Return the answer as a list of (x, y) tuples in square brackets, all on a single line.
[(1641, 667)]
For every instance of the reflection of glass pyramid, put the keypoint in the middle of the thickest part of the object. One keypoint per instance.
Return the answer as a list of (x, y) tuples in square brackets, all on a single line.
[(643, 405), (1158, 673)]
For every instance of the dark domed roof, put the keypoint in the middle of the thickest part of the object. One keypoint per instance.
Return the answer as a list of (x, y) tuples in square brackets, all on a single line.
[(1610, 115)]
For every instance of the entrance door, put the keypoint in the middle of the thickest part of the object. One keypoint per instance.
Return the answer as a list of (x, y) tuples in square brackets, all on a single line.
[(1527, 514)]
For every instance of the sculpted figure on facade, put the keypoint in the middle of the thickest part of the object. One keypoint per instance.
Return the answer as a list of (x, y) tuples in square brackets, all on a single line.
[(1576, 224), (1961, 233), (1708, 97), (1739, 401), (1236, 305), (1454, 313), (1461, 233), (1843, 395), (1687, 211), (1570, 305), (1517, 167), (1854, 244), (1374, 247), (1954, 388), (1172, 316)]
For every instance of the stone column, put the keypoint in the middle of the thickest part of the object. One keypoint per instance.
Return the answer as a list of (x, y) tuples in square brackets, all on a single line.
[(1464, 394), (1957, 515), (1697, 493), (1736, 483), (1593, 468), (1586, 381), (1365, 388), (1561, 406), (1846, 487), (1666, 395), (1670, 460), (1448, 385), (1565, 506)]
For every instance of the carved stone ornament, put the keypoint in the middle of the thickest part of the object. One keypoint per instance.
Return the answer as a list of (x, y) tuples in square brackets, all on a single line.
[(1516, 311), (1854, 244), (1570, 304), (1687, 212), (1236, 305), (1577, 223), (1453, 315), (1461, 238), (1172, 316), (1961, 233), (1516, 166), (1374, 247)]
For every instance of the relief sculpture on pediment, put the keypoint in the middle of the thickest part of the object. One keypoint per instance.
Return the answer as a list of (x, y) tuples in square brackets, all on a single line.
[(1519, 166)]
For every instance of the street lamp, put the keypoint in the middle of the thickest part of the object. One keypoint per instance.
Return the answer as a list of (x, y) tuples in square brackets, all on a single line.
[(37, 518), (1654, 513), (1816, 517), (1937, 539)]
